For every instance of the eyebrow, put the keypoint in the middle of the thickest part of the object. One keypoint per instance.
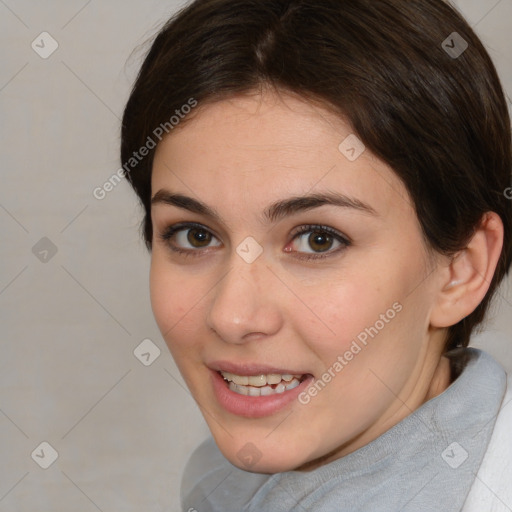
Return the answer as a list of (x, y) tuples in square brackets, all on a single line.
[(272, 213)]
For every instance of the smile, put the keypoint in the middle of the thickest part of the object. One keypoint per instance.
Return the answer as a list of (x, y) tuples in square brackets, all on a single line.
[(256, 393), (261, 385)]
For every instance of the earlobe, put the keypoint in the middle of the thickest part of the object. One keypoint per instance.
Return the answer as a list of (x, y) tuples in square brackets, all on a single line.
[(469, 274)]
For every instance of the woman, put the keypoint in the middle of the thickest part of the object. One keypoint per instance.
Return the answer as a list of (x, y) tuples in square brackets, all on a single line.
[(324, 185)]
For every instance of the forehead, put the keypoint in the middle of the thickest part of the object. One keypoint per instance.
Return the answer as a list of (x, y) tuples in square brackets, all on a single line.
[(263, 147)]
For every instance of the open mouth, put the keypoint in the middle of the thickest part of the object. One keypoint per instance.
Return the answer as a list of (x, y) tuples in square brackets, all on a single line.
[(262, 385)]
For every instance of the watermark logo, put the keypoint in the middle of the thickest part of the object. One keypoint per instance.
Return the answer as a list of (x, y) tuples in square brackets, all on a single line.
[(44, 455), (44, 250), (455, 45), (455, 455), (44, 45), (147, 352), (249, 250), (352, 148), (249, 455)]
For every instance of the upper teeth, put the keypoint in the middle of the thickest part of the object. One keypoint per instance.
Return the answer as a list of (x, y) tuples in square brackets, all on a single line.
[(258, 380)]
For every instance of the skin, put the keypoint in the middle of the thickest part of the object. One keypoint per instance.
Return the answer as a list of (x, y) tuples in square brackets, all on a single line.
[(238, 156)]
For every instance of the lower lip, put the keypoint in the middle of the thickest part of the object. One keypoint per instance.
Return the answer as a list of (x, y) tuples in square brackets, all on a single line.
[(254, 406)]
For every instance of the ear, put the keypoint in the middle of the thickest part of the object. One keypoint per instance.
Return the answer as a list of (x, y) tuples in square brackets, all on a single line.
[(465, 281)]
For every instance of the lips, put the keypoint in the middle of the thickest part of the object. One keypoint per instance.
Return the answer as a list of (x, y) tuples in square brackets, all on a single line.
[(254, 391)]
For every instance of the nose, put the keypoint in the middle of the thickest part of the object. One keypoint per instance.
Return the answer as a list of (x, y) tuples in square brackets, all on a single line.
[(245, 305)]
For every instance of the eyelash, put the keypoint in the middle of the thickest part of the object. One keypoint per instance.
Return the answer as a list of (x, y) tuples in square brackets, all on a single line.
[(169, 232)]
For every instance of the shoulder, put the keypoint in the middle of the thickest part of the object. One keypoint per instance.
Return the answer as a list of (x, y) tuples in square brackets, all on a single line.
[(492, 488), (210, 483)]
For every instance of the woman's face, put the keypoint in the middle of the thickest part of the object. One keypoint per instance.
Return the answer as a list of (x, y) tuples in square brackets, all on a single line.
[(296, 267)]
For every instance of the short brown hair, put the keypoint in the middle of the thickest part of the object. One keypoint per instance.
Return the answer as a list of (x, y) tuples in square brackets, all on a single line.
[(439, 120)]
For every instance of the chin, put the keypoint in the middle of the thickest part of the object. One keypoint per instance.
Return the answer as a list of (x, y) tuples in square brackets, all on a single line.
[(260, 457)]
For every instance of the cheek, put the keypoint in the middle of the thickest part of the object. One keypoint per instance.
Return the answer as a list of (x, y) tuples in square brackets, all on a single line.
[(344, 308), (362, 316), (175, 301)]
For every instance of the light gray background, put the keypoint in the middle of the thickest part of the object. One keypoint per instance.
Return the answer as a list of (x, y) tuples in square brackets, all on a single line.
[(69, 376)]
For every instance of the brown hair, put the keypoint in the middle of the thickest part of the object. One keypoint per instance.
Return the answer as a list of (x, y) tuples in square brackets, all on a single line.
[(439, 120)]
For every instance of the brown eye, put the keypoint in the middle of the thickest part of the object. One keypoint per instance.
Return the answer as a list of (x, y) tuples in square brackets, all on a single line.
[(189, 238), (320, 242), (316, 242), (198, 237)]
